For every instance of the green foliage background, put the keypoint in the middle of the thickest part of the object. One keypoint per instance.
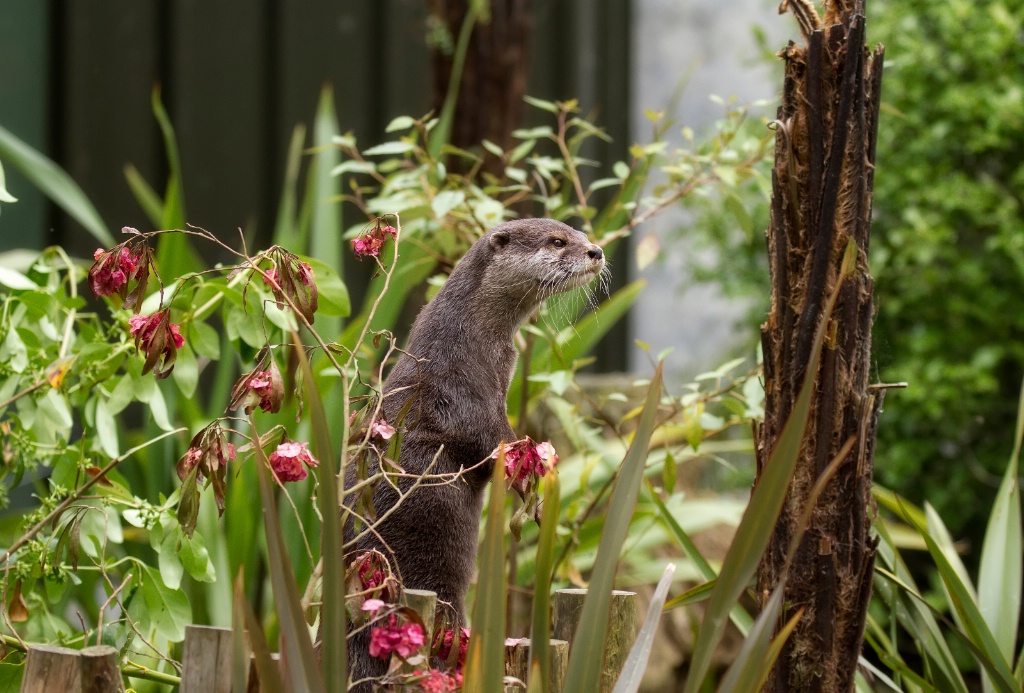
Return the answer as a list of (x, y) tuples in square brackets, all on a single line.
[(947, 248)]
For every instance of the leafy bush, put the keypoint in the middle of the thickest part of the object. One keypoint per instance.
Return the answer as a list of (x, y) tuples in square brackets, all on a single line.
[(98, 397)]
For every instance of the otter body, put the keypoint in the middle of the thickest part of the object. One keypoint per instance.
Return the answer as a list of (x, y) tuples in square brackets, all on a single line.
[(452, 383)]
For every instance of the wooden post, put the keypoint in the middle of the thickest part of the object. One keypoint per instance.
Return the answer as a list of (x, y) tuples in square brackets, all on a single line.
[(568, 605), (517, 662), (49, 669), (206, 660), (99, 671), (424, 603), (822, 183)]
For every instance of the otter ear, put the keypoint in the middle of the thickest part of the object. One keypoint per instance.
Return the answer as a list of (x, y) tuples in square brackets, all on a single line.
[(499, 239)]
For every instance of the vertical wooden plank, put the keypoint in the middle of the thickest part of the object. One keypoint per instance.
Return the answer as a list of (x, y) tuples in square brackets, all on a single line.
[(99, 671), (206, 660), (106, 65), (24, 110), (217, 99), (49, 669)]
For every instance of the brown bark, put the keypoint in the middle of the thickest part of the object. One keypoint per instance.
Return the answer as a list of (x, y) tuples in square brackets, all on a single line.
[(822, 186), (490, 101)]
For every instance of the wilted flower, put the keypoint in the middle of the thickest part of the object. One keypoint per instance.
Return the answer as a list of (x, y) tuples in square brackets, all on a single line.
[(207, 458), (381, 429), (442, 646), (526, 461), (371, 243), (292, 278), (112, 270), (402, 639), (373, 605), (158, 338), (290, 460), (262, 387), (435, 681)]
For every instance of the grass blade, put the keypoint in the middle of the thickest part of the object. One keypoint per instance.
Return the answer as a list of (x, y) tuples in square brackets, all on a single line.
[(332, 613), (239, 651), (759, 650), (740, 618), (148, 199), (1000, 574), (914, 613), (587, 650), (540, 631), (55, 183), (286, 229), (636, 662), (975, 627), (297, 660), (485, 660)]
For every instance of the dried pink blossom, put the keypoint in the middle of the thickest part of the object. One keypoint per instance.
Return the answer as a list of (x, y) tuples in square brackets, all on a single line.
[(443, 645), (381, 429), (526, 461), (402, 640), (290, 460), (373, 605), (158, 338), (372, 242), (262, 387), (293, 279), (435, 681), (206, 460)]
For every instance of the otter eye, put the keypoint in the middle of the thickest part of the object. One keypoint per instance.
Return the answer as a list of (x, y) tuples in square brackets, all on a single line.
[(558, 242)]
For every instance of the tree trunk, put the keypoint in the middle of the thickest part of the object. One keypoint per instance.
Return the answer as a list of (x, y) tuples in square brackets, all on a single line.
[(822, 186), (490, 100)]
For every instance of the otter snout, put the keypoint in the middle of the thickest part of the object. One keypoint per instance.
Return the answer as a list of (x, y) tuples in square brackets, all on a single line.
[(595, 252)]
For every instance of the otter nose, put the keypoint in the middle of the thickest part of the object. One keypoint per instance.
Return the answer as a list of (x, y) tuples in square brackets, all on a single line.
[(595, 253)]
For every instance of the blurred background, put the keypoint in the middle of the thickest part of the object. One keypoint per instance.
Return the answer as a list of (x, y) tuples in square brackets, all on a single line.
[(236, 77)]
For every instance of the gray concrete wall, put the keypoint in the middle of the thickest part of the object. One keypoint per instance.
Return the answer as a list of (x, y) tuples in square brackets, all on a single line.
[(698, 48)]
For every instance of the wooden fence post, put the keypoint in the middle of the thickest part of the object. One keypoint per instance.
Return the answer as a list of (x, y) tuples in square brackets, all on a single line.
[(206, 660), (49, 668), (567, 607), (517, 662)]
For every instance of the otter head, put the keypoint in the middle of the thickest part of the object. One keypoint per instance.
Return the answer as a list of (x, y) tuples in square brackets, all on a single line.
[(533, 259)]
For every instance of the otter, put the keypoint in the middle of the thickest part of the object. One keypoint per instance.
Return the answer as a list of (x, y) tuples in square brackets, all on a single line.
[(448, 392)]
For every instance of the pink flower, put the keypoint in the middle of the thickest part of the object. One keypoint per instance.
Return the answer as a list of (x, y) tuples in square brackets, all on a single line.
[(403, 639), (112, 269), (259, 387), (206, 460), (373, 605), (371, 243), (526, 461), (288, 460), (435, 681), (443, 645), (371, 571), (291, 278), (381, 429), (158, 338)]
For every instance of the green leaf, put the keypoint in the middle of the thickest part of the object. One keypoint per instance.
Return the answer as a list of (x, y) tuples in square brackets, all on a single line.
[(13, 279), (55, 183), (540, 630), (186, 371), (400, 123), (106, 428), (583, 675), (977, 631), (738, 614), (542, 104), (485, 660), (331, 484), (286, 229), (759, 651), (145, 195), (1000, 574), (204, 339), (636, 662), (325, 225), (171, 569), (302, 674), (168, 610), (445, 201), (196, 558), (399, 147)]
